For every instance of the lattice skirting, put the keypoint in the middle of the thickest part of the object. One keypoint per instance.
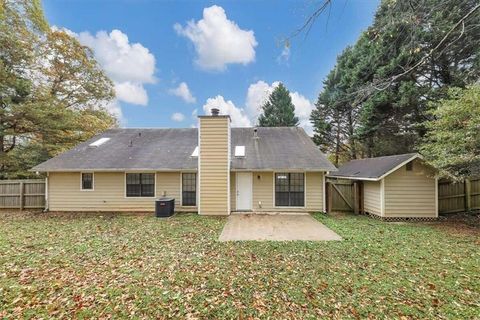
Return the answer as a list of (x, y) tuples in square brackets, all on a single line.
[(401, 219)]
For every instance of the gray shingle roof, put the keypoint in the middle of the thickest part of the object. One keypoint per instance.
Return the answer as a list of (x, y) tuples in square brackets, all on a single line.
[(171, 149), (371, 168)]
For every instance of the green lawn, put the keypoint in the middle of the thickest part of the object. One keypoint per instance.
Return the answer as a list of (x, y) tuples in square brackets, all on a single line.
[(141, 267)]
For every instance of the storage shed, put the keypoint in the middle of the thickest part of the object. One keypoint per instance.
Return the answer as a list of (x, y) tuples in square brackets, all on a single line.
[(400, 186)]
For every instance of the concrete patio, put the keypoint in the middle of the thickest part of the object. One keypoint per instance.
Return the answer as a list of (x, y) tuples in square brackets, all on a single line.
[(263, 227)]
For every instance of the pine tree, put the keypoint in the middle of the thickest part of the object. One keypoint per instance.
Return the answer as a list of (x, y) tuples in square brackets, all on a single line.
[(279, 110)]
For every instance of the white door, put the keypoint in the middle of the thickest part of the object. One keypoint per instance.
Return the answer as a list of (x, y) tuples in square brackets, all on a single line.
[(244, 191)]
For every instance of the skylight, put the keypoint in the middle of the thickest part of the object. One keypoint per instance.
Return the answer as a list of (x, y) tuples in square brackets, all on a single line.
[(239, 151), (99, 142), (195, 152)]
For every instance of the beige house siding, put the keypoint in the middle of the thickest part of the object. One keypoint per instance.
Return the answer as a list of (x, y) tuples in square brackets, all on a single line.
[(411, 193), (264, 192), (214, 165), (372, 202), (64, 192), (314, 184), (109, 192), (233, 191)]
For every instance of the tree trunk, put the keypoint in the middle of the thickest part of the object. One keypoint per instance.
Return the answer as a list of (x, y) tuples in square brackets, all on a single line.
[(337, 144), (2, 157), (369, 147), (351, 138)]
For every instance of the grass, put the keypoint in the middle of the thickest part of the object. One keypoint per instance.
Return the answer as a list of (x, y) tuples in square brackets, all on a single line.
[(91, 266)]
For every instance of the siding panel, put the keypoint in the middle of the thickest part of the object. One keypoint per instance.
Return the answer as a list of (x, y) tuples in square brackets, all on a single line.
[(371, 195), (410, 193), (214, 165), (109, 192), (263, 191)]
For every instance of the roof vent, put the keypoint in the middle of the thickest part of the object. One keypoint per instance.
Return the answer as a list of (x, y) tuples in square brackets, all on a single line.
[(215, 112), (99, 142), (239, 151), (195, 152)]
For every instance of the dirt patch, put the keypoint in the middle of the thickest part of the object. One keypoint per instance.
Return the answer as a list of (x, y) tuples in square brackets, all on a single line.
[(460, 224)]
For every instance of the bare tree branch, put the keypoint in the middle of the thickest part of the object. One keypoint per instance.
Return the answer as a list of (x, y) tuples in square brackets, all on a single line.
[(309, 22)]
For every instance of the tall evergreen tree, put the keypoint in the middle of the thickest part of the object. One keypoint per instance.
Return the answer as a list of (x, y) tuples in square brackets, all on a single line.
[(278, 110), (375, 101)]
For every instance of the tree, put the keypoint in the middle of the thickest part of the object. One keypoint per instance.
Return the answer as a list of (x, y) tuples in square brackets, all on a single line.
[(452, 142), (376, 100), (335, 116), (51, 90), (279, 110)]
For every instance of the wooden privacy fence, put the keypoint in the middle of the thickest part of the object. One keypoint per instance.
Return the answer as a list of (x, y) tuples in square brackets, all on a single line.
[(453, 197), (458, 196), (22, 194), (344, 195)]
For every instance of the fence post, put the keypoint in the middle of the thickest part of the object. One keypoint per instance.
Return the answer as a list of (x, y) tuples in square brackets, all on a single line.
[(355, 198), (22, 194), (329, 197), (468, 192)]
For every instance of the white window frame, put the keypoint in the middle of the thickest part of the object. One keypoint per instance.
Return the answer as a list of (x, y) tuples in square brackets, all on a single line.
[(154, 185), (81, 181)]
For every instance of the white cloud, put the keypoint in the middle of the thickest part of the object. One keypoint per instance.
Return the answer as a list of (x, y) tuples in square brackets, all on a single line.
[(121, 60), (114, 108), (183, 92), (258, 93), (238, 116), (131, 92), (178, 117), (284, 56), (303, 109), (128, 65), (218, 41)]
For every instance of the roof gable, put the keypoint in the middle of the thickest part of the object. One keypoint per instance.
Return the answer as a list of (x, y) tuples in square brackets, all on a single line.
[(373, 168)]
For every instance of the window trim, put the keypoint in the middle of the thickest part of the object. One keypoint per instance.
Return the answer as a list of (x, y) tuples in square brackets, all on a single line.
[(81, 181), (140, 197), (196, 189), (304, 190)]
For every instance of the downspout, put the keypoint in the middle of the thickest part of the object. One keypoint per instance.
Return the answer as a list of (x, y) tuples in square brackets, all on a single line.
[(46, 194)]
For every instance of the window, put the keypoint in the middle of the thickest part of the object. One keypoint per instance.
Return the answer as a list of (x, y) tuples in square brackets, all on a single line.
[(140, 184), (289, 190), (99, 142), (87, 181), (239, 151), (189, 189), (409, 166), (195, 152)]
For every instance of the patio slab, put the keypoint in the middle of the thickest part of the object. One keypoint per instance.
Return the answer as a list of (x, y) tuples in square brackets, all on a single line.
[(260, 227)]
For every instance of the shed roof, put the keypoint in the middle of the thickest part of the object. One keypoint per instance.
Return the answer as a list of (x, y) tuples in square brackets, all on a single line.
[(171, 149), (372, 168)]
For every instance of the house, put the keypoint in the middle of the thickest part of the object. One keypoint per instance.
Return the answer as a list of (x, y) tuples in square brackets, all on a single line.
[(212, 170), (400, 186)]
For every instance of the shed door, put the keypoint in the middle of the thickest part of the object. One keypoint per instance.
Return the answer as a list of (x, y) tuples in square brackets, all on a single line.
[(244, 191)]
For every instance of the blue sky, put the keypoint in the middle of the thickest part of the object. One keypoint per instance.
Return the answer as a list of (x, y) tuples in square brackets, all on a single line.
[(171, 60)]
